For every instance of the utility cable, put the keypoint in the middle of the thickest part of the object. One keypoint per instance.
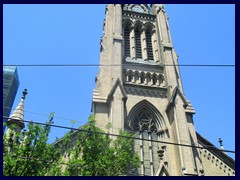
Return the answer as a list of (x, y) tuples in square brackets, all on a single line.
[(85, 122), (64, 118), (135, 64), (127, 137)]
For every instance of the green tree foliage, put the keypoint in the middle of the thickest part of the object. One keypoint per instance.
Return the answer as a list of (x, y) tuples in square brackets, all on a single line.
[(93, 153), (78, 153), (28, 154)]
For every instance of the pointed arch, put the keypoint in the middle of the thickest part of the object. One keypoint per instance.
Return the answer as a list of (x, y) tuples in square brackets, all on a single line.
[(142, 78), (148, 78), (127, 23), (154, 79), (147, 123), (138, 25), (149, 26), (145, 111), (129, 76)]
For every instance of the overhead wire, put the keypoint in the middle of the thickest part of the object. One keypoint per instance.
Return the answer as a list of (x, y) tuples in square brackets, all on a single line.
[(128, 137), (110, 65), (59, 117), (85, 122), (100, 126)]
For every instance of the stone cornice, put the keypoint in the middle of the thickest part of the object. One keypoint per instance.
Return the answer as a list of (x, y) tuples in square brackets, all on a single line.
[(135, 15), (138, 62), (142, 90)]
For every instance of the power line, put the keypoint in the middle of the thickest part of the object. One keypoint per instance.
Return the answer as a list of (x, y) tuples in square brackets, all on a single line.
[(63, 118), (128, 137), (110, 65), (83, 122)]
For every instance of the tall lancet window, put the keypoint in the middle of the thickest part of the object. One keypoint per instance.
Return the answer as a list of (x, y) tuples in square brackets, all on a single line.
[(149, 45), (146, 121), (138, 43), (127, 41), (147, 130)]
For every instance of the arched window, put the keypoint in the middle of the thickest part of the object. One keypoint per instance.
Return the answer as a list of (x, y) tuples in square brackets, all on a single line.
[(146, 121), (138, 43), (154, 80), (130, 77), (127, 41), (149, 45), (142, 78)]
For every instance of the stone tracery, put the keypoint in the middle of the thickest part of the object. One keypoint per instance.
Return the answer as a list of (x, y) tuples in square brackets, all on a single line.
[(147, 121)]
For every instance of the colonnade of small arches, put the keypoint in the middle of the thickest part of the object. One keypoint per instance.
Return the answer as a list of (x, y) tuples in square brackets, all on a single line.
[(144, 78), (140, 41)]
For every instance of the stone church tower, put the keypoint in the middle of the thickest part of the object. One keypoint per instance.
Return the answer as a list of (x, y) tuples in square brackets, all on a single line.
[(139, 89)]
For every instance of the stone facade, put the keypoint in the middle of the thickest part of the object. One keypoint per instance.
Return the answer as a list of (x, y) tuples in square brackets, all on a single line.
[(139, 89), (215, 162)]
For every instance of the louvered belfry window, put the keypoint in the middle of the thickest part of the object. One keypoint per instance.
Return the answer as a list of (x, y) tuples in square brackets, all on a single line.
[(149, 45), (127, 42), (138, 43)]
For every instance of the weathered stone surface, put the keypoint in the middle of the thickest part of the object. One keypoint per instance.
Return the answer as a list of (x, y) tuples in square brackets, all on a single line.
[(142, 94)]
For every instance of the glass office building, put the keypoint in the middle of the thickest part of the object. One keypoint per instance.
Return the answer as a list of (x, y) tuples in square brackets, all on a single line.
[(10, 87)]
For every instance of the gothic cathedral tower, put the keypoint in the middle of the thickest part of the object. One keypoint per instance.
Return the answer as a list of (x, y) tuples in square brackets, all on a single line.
[(139, 89)]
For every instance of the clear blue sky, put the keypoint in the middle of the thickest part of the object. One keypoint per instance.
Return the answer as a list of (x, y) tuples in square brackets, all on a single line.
[(70, 34)]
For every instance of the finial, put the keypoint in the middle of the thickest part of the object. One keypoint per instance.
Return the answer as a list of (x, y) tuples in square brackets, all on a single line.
[(24, 93), (221, 144)]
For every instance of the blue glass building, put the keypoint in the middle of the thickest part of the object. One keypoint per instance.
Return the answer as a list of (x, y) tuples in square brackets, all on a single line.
[(10, 88)]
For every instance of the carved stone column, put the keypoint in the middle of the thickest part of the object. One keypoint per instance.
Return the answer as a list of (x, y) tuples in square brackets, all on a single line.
[(144, 44), (155, 47), (118, 20), (132, 43)]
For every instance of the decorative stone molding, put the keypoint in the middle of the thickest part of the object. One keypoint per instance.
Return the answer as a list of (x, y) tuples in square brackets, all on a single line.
[(134, 18), (143, 78), (140, 17), (222, 166), (137, 8), (141, 91)]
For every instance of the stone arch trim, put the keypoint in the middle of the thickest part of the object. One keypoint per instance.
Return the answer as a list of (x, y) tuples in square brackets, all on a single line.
[(127, 23), (149, 26), (145, 108), (138, 25)]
